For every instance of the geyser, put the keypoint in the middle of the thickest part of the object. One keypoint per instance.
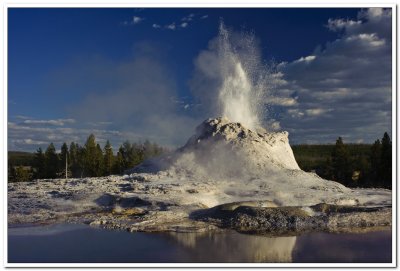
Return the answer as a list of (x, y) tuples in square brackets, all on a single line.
[(231, 79), (235, 93)]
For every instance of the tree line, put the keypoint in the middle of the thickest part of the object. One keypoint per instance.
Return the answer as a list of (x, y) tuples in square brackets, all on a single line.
[(89, 160), (353, 165)]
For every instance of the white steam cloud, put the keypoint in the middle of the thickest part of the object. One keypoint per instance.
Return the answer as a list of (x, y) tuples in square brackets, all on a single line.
[(231, 80)]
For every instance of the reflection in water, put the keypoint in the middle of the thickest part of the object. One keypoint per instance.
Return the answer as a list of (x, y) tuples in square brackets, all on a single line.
[(83, 244), (367, 247), (235, 247), (44, 230)]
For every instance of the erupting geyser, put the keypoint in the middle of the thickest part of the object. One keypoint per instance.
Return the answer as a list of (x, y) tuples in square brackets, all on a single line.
[(231, 79), (234, 145), (236, 93)]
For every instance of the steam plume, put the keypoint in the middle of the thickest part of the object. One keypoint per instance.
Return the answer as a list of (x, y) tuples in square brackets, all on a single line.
[(231, 80)]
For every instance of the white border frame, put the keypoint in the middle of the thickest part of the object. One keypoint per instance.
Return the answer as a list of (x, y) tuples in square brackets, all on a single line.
[(203, 4)]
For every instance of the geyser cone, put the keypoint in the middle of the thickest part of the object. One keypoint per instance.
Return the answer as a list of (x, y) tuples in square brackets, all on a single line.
[(256, 147), (221, 148)]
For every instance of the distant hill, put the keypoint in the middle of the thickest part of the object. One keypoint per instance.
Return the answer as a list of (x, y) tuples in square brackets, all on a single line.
[(18, 158)]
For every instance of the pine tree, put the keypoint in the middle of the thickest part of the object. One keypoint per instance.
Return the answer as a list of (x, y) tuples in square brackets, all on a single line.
[(22, 174), (148, 150), (11, 172), (64, 155), (375, 162), (136, 155), (363, 166), (327, 169), (127, 153), (118, 167), (90, 153), (39, 162), (73, 159), (386, 161), (158, 150), (108, 159), (341, 162), (81, 153), (99, 162), (51, 161)]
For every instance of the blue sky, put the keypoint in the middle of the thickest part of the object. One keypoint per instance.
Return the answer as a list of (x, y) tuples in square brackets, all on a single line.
[(125, 73)]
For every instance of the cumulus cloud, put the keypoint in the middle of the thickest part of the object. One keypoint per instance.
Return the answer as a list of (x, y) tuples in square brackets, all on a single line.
[(133, 21), (56, 122), (29, 136), (170, 26), (22, 117), (100, 123), (345, 88), (340, 24), (183, 23), (137, 19), (188, 18), (282, 101)]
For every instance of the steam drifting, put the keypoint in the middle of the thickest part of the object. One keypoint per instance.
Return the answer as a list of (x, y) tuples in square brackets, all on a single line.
[(230, 79)]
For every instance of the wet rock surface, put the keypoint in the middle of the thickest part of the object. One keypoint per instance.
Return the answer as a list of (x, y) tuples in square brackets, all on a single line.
[(283, 220)]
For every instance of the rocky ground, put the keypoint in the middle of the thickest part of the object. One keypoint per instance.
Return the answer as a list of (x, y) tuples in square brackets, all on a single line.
[(226, 176)]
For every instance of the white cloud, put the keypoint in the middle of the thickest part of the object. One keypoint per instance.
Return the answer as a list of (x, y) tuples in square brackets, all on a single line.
[(282, 101), (28, 136), (100, 123), (137, 19), (317, 111), (56, 122), (133, 21), (340, 24), (188, 18), (22, 117), (295, 113), (370, 39), (306, 59), (27, 141), (373, 13), (171, 26), (345, 88)]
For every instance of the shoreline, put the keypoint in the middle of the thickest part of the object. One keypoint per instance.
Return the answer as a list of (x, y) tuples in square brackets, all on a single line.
[(266, 221)]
